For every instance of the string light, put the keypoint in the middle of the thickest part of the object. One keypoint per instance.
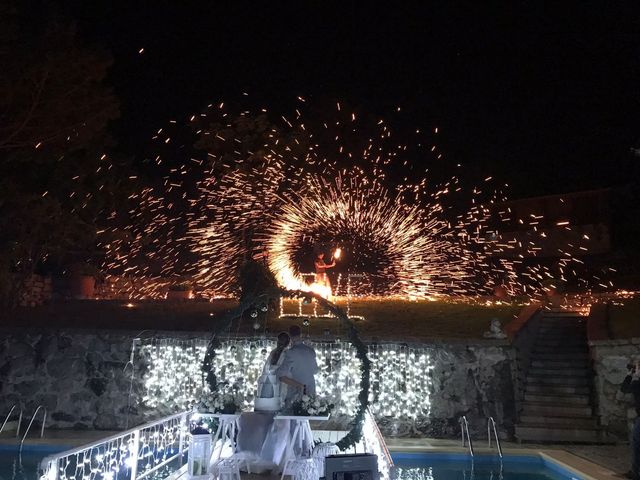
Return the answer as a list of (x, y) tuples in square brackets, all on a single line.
[(401, 376), (148, 449)]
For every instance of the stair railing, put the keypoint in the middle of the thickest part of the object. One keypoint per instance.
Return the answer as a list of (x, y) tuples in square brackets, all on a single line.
[(6, 419), (464, 429), (35, 414), (491, 426)]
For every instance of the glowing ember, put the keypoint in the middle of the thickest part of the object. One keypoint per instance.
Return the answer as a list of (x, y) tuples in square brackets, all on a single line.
[(277, 193)]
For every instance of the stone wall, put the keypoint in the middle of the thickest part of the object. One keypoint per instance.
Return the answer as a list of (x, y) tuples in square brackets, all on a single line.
[(85, 380), (473, 380), (79, 378), (610, 359), (36, 290)]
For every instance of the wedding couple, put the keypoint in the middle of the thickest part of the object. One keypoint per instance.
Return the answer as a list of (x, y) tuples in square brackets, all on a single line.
[(292, 364), (287, 375)]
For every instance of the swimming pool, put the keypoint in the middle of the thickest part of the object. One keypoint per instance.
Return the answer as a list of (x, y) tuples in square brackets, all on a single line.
[(16, 465), (458, 466), (408, 466)]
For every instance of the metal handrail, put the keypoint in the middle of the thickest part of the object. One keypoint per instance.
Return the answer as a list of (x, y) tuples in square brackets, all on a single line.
[(464, 428), (491, 424), (35, 414), (49, 464), (6, 419), (378, 435), (88, 446), (373, 442)]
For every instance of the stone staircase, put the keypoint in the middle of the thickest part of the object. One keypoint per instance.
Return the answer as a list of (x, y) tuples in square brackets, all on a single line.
[(557, 403)]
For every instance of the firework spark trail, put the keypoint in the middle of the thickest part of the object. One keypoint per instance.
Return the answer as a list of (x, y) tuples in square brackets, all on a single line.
[(388, 226), (264, 191)]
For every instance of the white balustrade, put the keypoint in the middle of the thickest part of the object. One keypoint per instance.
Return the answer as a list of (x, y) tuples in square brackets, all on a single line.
[(133, 454)]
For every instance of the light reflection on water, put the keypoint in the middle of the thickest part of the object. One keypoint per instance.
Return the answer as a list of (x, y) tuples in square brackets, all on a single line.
[(19, 467), (16, 466), (425, 469)]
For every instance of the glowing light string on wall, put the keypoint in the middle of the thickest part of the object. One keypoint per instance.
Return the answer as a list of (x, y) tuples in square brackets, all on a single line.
[(401, 375)]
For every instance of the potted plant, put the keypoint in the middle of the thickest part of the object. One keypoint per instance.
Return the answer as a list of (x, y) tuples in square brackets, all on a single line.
[(180, 291), (82, 280)]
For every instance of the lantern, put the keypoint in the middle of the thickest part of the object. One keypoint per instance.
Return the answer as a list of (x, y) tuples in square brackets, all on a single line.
[(199, 455)]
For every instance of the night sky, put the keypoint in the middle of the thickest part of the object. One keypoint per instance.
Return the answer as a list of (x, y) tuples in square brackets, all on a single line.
[(545, 99)]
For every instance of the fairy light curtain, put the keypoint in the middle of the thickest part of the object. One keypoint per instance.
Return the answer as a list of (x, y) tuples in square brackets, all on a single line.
[(401, 376)]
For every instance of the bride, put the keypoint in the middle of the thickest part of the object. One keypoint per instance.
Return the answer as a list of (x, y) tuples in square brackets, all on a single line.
[(271, 392), (260, 438)]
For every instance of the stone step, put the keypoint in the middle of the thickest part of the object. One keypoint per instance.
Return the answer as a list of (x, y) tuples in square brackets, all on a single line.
[(560, 356), (559, 364), (556, 323), (558, 433), (569, 381), (556, 399), (577, 422), (559, 349), (570, 337), (547, 389), (562, 312), (558, 410), (576, 329), (560, 326), (563, 320), (559, 372), (563, 324), (568, 333), (567, 312), (577, 335), (561, 339), (559, 345)]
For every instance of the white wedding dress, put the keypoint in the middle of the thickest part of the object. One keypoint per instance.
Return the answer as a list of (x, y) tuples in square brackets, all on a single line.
[(261, 439), (270, 393)]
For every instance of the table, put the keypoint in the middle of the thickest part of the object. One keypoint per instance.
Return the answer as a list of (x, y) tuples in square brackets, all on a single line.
[(227, 425), (300, 432)]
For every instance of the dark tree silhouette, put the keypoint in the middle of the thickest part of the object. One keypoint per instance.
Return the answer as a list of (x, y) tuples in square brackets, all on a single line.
[(55, 177)]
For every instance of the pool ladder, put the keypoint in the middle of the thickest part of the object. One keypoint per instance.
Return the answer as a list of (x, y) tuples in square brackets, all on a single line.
[(35, 414), (6, 419), (464, 430), (491, 427)]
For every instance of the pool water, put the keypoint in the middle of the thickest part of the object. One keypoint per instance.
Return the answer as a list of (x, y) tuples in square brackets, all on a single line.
[(409, 466), (25, 465), (16, 465), (429, 466)]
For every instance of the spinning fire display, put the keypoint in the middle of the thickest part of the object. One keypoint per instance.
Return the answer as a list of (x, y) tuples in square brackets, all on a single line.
[(251, 189)]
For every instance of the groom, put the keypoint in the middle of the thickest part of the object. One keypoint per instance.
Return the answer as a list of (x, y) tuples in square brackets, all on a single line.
[(298, 368)]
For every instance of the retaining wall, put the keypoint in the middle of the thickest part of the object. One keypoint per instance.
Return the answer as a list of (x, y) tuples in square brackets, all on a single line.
[(85, 380)]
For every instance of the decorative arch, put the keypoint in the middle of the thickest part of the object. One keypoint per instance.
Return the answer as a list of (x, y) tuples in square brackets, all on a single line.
[(260, 303)]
